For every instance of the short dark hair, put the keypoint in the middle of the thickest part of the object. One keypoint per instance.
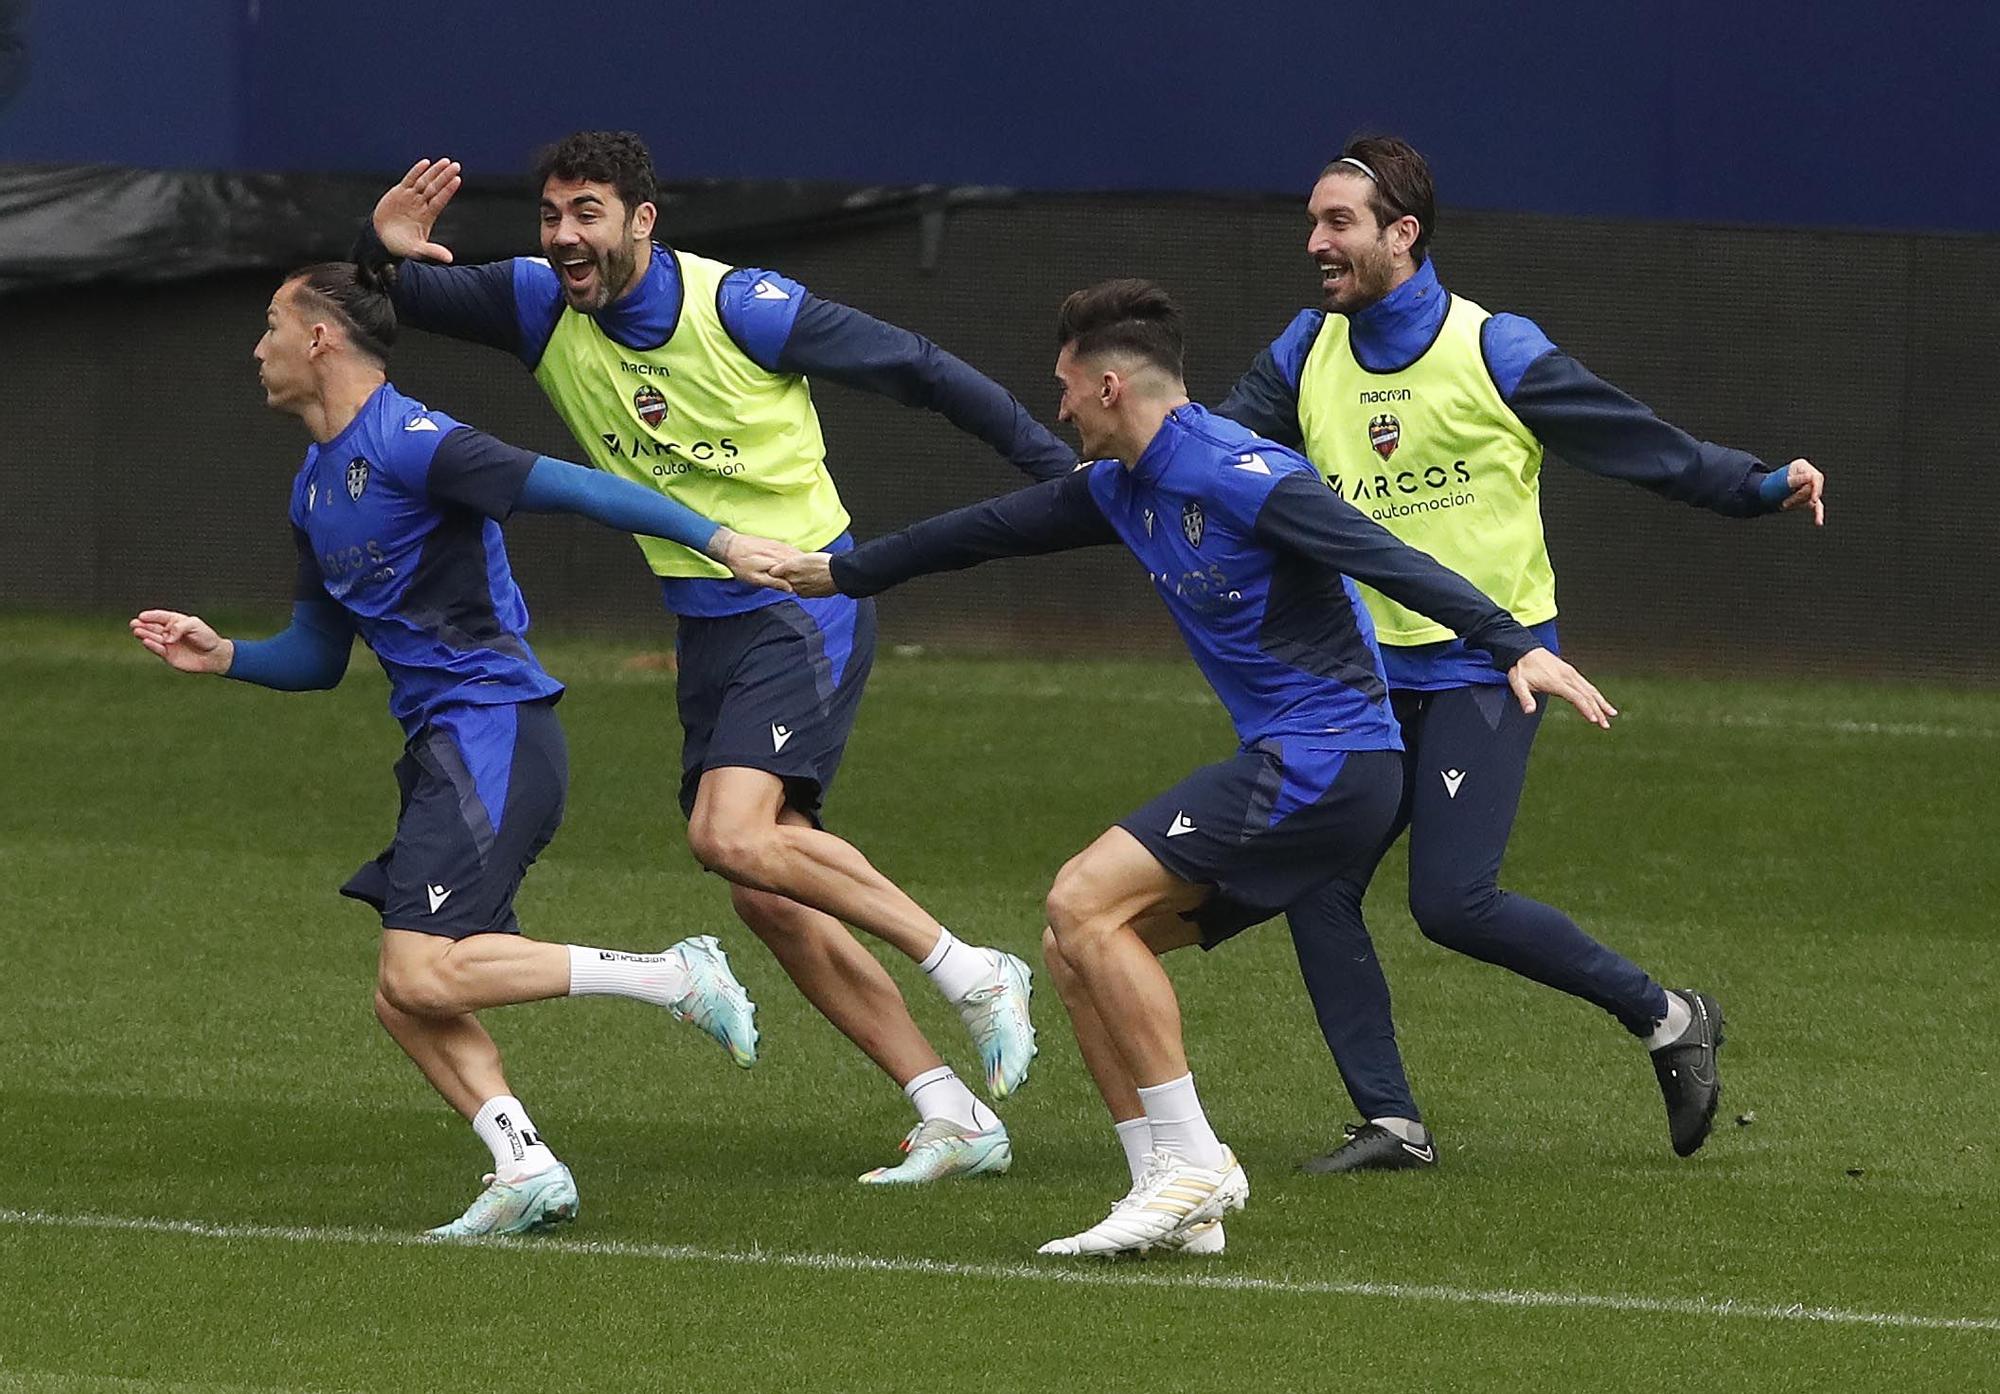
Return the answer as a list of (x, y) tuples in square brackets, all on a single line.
[(1400, 187), (356, 297), (617, 158), (1125, 316)]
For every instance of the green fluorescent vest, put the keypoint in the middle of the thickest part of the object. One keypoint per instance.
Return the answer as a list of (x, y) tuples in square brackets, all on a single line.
[(698, 420), (1435, 455)]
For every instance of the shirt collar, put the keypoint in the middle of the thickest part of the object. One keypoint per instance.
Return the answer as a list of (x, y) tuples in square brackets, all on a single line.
[(1159, 451), (647, 318), (1394, 331)]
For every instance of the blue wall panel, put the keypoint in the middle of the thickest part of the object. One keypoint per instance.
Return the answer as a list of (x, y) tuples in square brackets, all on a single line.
[(1859, 114)]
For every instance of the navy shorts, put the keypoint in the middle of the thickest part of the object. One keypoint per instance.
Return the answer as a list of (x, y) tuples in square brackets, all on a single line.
[(774, 689), (1269, 826), (483, 791)]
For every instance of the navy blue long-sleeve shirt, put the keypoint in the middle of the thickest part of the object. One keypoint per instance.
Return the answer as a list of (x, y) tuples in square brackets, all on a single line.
[(1253, 556)]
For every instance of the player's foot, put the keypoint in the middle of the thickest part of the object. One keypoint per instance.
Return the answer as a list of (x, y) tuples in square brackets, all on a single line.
[(1164, 1208), (1372, 1147), (715, 1001), (997, 1016), (515, 1207), (1687, 1073), (1202, 1239), (942, 1148)]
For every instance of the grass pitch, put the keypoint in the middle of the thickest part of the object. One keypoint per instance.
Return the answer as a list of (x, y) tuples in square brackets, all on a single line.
[(213, 1159)]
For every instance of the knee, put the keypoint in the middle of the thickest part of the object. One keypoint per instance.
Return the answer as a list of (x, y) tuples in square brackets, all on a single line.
[(414, 989), (1074, 916), (732, 849), (1453, 914)]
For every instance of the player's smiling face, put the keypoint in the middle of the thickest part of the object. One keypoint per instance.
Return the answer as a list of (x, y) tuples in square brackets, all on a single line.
[(593, 240), (283, 355), (1358, 258)]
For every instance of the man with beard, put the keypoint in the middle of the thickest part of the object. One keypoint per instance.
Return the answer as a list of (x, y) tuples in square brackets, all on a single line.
[(1431, 415), (691, 376)]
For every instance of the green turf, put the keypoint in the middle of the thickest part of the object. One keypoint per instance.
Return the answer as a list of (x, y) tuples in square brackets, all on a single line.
[(185, 1035)]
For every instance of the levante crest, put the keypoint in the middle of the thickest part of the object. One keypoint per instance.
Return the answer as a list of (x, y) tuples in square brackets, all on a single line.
[(357, 477), (651, 406), (1385, 433)]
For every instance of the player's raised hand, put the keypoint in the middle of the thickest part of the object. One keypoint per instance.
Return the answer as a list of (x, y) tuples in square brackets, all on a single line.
[(1541, 671), (182, 641), (754, 559), (1807, 486), (404, 216), (810, 574)]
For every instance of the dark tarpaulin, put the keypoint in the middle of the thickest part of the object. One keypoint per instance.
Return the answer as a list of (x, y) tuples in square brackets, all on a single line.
[(70, 224)]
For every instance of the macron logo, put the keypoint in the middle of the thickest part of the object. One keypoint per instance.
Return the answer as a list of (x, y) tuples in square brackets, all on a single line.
[(779, 735), (1452, 779), (765, 290), (1254, 463), (1181, 824), (437, 895), (421, 423)]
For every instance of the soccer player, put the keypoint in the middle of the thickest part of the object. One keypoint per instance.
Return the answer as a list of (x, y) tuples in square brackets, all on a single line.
[(1252, 554), (1431, 416), (691, 376), (396, 514)]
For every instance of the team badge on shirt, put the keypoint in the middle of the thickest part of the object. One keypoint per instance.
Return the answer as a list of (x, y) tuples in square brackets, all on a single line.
[(357, 477), (651, 406), (1385, 433), (1192, 523)]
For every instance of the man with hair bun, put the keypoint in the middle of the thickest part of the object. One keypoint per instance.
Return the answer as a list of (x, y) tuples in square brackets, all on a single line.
[(396, 514), (1252, 556), (1431, 415), (690, 377)]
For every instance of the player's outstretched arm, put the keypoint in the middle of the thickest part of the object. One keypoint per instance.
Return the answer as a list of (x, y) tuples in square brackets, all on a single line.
[(557, 486), (405, 215), (309, 655), (1542, 671), (1598, 427), (1053, 516)]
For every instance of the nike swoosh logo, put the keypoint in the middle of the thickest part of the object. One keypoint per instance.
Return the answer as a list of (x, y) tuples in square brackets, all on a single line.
[(1422, 1154)]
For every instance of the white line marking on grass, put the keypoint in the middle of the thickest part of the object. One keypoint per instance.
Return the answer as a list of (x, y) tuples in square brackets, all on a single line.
[(1923, 730), (1116, 1276)]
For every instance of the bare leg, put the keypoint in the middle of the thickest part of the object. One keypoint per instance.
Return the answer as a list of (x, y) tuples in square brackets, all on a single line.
[(841, 979), (427, 976), (737, 832), (455, 1054), (1099, 899), (1162, 934)]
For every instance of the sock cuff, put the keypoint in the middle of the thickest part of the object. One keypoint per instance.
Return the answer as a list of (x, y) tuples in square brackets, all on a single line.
[(926, 1079), (1161, 1091), (495, 1106), (1123, 1126), (938, 950)]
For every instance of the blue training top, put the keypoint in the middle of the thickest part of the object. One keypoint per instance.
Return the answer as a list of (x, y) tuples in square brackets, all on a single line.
[(1251, 552), (396, 522)]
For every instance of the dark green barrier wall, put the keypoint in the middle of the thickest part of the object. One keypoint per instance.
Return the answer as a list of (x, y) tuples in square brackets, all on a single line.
[(137, 464)]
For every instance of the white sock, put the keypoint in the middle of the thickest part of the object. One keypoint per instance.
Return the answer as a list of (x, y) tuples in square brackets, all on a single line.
[(1672, 1026), (1135, 1135), (941, 1094), (661, 979), (518, 1150), (1178, 1124), (1408, 1129), (956, 967)]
